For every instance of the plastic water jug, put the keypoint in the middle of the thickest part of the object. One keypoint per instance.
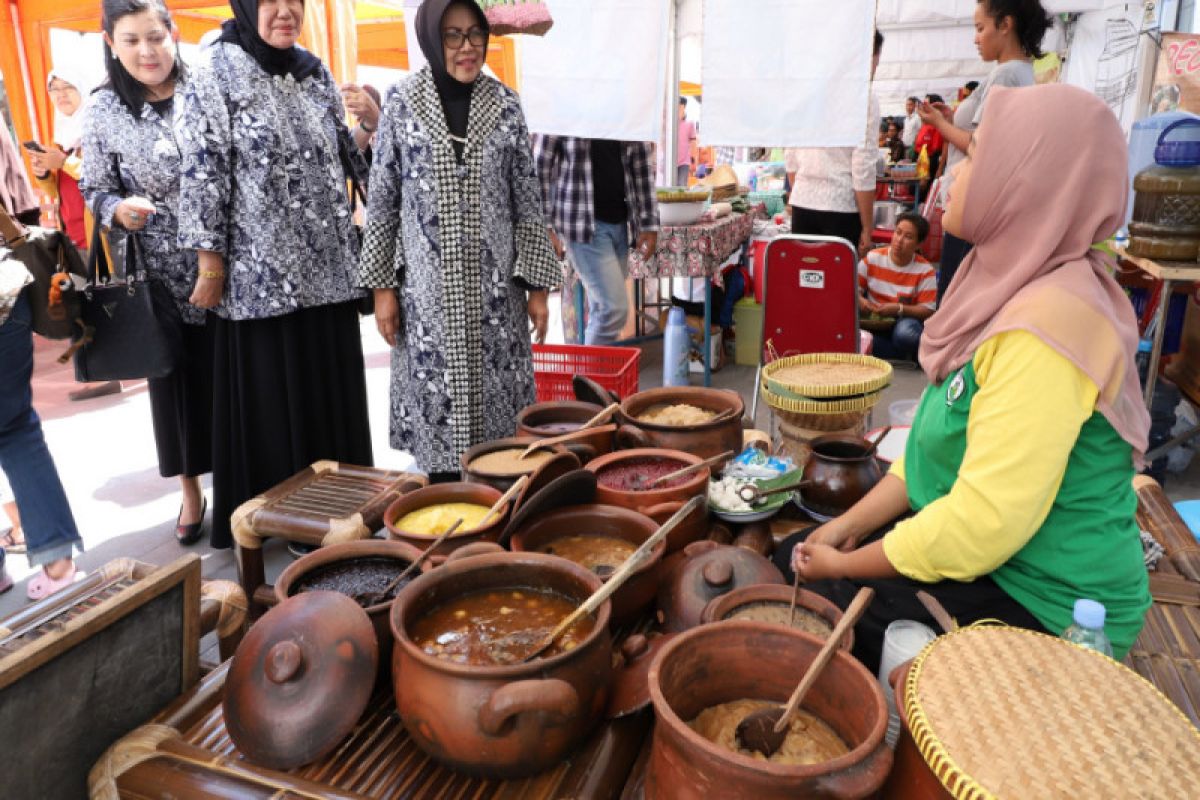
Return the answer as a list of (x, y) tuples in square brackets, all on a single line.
[(675, 349)]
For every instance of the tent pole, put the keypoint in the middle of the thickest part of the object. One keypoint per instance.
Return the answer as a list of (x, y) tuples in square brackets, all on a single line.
[(672, 94)]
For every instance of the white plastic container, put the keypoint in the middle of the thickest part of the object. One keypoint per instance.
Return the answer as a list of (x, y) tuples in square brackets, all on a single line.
[(902, 641), (902, 412)]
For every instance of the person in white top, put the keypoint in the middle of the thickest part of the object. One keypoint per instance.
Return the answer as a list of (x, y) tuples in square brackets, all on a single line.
[(912, 124), (833, 188)]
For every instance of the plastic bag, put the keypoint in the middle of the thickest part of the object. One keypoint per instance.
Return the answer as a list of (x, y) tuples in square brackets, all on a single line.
[(754, 463)]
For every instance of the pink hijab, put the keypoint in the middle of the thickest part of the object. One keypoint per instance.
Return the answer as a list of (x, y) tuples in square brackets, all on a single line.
[(1049, 180)]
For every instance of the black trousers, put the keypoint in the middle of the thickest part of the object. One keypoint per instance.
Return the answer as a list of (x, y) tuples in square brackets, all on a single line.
[(896, 598), (954, 250), (827, 223)]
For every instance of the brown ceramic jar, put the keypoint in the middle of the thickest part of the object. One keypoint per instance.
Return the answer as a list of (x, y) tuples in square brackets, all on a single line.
[(564, 460), (658, 504), (735, 660), (637, 593), (500, 721), (436, 494), (840, 472), (705, 440), (353, 551), (720, 608), (540, 420), (911, 778), (703, 571)]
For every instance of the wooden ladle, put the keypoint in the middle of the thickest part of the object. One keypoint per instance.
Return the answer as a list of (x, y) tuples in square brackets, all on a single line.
[(688, 470), (879, 437), (766, 729), (752, 494), (372, 598), (575, 434), (629, 566)]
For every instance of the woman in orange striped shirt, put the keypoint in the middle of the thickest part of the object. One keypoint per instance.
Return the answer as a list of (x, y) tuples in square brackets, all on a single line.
[(896, 283)]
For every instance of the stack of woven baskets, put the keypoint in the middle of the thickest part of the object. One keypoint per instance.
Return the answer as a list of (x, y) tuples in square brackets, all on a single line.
[(816, 394)]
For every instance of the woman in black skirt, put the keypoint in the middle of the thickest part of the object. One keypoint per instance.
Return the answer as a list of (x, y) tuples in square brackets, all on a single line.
[(131, 181), (264, 202)]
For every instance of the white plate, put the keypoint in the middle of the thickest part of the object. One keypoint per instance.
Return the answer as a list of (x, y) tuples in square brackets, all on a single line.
[(817, 517), (739, 518)]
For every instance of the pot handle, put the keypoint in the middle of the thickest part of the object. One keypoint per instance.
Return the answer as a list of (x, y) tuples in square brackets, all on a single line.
[(630, 437), (584, 452), (551, 696), (474, 549), (861, 780)]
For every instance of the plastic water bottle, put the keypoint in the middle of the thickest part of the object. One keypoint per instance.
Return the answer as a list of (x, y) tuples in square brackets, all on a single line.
[(675, 349), (1088, 628)]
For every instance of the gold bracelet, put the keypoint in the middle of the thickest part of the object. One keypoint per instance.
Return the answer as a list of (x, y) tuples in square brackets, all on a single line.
[(211, 273)]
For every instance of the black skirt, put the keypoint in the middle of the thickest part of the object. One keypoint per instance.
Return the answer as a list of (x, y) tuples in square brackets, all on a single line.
[(287, 391), (181, 407)]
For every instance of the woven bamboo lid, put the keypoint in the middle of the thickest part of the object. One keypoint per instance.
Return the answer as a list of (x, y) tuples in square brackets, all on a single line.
[(822, 407), (1004, 712), (826, 375)]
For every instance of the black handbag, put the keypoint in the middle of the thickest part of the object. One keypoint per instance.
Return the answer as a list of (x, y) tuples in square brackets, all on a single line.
[(132, 328), (46, 253)]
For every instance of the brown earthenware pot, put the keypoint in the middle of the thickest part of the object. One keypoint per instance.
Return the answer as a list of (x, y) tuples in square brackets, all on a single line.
[(734, 660), (500, 721), (629, 601), (840, 472), (911, 778), (533, 420), (564, 460), (720, 608), (705, 440), (365, 549), (703, 571), (658, 504), (436, 494)]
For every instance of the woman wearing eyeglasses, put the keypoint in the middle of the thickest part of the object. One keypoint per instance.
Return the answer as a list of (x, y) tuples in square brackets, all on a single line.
[(455, 246)]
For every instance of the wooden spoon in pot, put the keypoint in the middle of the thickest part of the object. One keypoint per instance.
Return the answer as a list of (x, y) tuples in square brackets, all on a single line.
[(575, 434), (618, 578), (368, 600), (689, 469), (878, 438), (765, 730)]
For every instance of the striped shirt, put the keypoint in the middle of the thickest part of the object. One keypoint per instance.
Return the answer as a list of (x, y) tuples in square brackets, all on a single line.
[(565, 167), (886, 282)]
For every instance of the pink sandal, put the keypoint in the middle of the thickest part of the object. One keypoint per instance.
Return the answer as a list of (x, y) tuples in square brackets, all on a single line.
[(42, 585)]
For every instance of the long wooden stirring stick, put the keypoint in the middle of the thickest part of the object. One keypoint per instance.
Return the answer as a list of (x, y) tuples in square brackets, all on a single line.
[(575, 434), (690, 468), (374, 598), (512, 492)]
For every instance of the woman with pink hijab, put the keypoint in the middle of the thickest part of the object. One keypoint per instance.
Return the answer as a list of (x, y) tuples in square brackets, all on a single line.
[(1014, 497)]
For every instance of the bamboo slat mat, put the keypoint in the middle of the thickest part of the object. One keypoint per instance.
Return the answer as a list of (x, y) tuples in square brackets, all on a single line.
[(1001, 712)]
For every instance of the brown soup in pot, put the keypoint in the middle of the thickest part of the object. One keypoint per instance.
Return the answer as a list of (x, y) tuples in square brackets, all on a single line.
[(498, 627), (591, 552)]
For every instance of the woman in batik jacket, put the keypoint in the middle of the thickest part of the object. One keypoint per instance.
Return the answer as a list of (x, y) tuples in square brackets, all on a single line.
[(264, 203), (455, 246), (131, 182)]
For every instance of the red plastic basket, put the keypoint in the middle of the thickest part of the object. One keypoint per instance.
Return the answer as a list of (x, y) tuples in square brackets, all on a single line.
[(554, 365)]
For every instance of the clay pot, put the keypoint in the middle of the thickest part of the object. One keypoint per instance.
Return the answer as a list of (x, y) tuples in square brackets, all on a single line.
[(705, 440), (727, 661), (502, 721), (531, 419), (720, 608), (638, 592), (351, 551), (703, 571), (756, 537), (911, 778), (840, 473), (447, 493), (659, 504), (565, 459)]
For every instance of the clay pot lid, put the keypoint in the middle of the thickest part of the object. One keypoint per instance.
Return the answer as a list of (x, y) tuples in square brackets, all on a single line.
[(704, 570), (572, 489), (300, 680), (630, 691), (588, 391)]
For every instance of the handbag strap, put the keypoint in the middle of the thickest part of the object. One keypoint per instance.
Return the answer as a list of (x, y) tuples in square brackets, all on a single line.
[(14, 232)]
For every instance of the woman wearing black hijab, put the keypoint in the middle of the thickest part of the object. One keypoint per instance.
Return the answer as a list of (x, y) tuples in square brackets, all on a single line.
[(263, 201), (455, 246)]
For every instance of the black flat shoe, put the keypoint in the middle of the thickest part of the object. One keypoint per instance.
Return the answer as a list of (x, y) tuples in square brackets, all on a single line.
[(190, 534)]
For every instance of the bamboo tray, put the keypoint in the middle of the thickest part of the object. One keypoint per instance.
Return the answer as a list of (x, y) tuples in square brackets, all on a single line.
[(776, 379), (820, 407)]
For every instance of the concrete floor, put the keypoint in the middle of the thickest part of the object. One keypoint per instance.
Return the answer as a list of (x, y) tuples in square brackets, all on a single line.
[(104, 450)]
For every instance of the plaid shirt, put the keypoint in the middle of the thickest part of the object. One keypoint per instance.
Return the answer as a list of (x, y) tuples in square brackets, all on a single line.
[(565, 167)]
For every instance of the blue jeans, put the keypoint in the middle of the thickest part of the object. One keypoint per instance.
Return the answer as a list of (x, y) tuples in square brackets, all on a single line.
[(50, 532), (902, 343), (602, 265)]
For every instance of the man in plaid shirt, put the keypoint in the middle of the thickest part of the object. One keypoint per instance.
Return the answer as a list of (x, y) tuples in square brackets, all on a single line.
[(599, 196)]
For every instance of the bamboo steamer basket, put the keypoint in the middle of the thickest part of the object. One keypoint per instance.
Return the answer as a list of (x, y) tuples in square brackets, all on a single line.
[(826, 376), (993, 712)]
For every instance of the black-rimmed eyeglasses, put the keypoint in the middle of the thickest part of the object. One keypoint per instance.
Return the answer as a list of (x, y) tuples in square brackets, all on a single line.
[(454, 38)]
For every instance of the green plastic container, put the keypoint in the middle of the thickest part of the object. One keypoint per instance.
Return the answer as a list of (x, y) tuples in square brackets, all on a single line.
[(748, 322)]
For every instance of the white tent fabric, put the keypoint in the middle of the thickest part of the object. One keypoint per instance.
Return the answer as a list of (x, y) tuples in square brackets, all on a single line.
[(812, 93), (601, 70)]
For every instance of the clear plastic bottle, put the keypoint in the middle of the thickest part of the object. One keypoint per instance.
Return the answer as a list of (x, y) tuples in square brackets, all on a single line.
[(676, 343), (1088, 628)]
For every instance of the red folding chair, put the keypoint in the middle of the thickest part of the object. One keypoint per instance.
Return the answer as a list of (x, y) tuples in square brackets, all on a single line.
[(810, 300)]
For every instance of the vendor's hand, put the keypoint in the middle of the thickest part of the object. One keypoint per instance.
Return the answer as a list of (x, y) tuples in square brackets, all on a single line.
[(833, 534), (133, 213), (538, 308), (818, 562), (360, 105), (647, 244), (560, 249), (387, 315)]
